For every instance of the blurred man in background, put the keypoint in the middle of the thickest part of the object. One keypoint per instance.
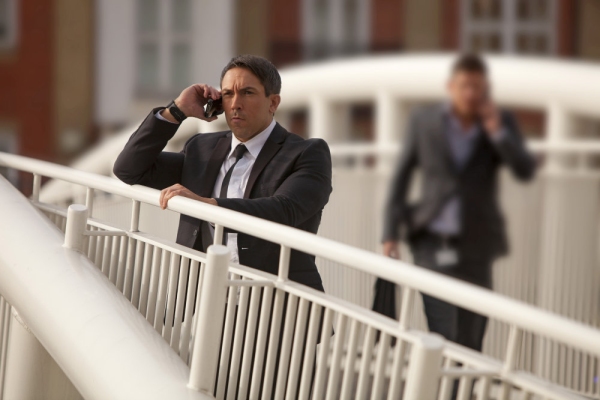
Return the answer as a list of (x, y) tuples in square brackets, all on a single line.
[(456, 228)]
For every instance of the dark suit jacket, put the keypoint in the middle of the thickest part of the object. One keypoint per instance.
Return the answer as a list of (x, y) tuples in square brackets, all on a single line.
[(290, 183), (426, 147)]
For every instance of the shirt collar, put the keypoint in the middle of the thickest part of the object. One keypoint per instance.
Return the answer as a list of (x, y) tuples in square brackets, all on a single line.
[(254, 145), (453, 120)]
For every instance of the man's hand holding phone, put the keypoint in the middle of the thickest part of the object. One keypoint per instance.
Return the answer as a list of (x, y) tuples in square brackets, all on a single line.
[(490, 118), (192, 100)]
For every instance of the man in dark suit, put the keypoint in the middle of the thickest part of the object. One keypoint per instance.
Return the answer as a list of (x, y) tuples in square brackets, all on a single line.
[(456, 228), (257, 168)]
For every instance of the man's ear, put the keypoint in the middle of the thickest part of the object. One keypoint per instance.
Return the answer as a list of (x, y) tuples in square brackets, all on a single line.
[(275, 99)]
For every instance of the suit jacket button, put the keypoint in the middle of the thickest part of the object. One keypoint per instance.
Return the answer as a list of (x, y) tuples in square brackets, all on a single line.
[(195, 232)]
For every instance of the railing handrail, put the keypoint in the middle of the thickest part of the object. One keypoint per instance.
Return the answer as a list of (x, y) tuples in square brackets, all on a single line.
[(101, 342), (564, 147), (519, 314)]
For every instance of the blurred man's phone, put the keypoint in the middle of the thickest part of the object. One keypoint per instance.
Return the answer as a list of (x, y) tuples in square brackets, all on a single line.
[(213, 108)]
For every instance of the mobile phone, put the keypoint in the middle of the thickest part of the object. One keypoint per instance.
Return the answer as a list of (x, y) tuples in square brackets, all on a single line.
[(213, 108)]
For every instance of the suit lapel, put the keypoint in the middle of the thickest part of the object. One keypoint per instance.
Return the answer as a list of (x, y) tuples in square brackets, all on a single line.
[(438, 130), (480, 140), (270, 148), (207, 182)]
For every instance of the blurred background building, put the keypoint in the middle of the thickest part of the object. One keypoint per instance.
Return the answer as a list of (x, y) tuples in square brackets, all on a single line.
[(72, 71)]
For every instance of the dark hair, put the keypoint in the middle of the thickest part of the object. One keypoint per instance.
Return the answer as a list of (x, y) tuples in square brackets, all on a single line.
[(262, 68), (470, 63)]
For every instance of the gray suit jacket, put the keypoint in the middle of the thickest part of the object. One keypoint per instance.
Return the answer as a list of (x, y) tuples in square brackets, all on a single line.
[(426, 147)]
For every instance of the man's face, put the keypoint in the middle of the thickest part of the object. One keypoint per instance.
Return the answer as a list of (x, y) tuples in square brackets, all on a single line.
[(247, 110), (468, 91)]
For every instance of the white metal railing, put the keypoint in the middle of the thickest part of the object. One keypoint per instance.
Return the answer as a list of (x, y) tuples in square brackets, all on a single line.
[(89, 341), (350, 358), (552, 224), (559, 207)]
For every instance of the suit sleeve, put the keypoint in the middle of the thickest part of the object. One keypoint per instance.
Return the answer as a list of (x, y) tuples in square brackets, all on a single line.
[(511, 149), (143, 160), (395, 210), (300, 196)]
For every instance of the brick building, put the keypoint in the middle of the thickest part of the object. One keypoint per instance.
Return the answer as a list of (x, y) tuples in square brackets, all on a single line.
[(295, 31), (299, 30), (73, 70), (46, 77)]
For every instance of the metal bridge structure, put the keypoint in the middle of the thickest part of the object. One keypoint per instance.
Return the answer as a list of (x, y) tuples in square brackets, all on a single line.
[(90, 273)]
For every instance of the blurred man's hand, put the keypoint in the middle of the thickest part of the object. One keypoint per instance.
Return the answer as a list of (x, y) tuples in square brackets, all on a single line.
[(192, 101), (391, 249), (490, 118)]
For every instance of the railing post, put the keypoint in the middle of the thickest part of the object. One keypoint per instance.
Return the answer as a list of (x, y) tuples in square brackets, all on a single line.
[(135, 216), (76, 222), (512, 350), (89, 200), (424, 368), (207, 339), (218, 235), (284, 263), (37, 183), (408, 295), (513, 347)]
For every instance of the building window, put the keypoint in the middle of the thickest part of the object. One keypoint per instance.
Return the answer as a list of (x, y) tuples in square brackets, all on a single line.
[(335, 27), (164, 46), (8, 24), (509, 26)]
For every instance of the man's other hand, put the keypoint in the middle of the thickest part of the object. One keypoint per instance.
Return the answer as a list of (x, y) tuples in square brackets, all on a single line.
[(391, 249), (490, 117), (179, 190), (192, 101)]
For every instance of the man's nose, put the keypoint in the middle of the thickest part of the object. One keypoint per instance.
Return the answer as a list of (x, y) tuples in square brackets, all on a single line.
[(236, 103)]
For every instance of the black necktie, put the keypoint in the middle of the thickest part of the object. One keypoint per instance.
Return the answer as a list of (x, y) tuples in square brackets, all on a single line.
[(238, 153), (207, 237)]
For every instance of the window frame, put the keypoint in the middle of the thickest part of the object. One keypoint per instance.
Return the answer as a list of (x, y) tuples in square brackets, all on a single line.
[(509, 27), (338, 39), (166, 39)]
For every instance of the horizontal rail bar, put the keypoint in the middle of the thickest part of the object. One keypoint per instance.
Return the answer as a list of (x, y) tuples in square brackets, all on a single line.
[(240, 283), (567, 147), (476, 373), (104, 233), (466, 295)]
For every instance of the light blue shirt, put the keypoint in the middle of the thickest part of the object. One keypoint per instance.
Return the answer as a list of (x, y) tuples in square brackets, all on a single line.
[(461, 143)]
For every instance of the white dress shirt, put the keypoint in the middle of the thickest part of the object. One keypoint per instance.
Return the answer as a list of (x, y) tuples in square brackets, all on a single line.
[(239, 175)]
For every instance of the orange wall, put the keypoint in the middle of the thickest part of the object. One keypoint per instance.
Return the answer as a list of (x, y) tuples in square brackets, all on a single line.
[(285, 31), (387, 25), (26, 80)]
